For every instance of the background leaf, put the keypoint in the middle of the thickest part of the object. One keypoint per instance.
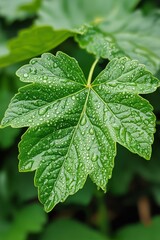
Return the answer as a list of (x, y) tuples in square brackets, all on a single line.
[(63, 14), (140, 232), (71, 230), (31, 42), (24, 223), (84, 196), (134, 179), (127, 162), (136, 36), (12, 10)]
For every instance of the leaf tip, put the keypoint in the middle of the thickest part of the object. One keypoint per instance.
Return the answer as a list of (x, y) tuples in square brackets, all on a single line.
[(4, 123)]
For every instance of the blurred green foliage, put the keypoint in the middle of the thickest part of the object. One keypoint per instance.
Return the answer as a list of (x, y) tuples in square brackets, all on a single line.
[(88, 214)]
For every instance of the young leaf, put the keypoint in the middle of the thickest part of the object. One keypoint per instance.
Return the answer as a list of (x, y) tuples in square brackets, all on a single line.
[(75, 124), (64, 15), (134, 35), (32, 42)]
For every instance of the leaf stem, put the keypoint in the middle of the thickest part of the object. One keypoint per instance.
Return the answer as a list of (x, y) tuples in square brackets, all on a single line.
[(91, 72)]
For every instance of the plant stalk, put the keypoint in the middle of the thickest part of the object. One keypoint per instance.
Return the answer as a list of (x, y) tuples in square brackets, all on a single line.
[(91, 72)]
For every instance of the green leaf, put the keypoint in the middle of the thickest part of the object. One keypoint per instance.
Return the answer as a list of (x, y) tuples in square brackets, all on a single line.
[(127, 162), (31, 7), (23, 223), (84, 196), (71, 230), (75, 124), (129, 5), (134, 35), (12, 10), (31, 42), (64, 15), (140, 232)]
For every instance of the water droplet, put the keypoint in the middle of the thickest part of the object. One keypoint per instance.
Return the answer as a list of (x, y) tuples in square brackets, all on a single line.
[(28, 166), (83, 121), (91, 131), (25, 75), (113, 84), (42, 111), (100, 163), (73, 97), (68, 75), (45, 77), (33, 61), (94, 157)]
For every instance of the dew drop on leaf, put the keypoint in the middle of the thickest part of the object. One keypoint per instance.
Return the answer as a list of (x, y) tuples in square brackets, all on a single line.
[(83, 121), (55, 65), (99, 163), (94, 157), (116, 115), (33, 61), (25, 75), (73, 97), (42, 111), (28, 166), (91, 131), (45, 77)]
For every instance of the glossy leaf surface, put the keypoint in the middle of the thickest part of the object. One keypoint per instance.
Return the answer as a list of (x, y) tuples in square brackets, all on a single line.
[(75, 124), (64, 14), (31, 42), (135, 36)]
